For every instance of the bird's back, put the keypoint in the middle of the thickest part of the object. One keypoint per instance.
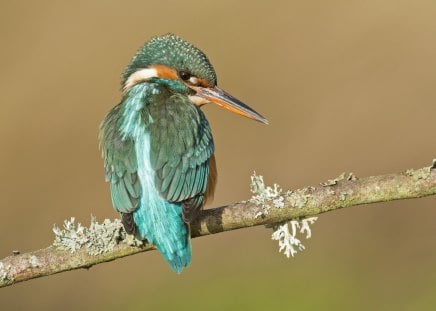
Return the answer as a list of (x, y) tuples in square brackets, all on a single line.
[(172, 146)]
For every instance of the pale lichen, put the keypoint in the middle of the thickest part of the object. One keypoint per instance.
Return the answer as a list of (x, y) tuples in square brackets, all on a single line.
[(330, 191), (351, 176), (97, 239), (298, 198), (131, 240), (72, 237), (4, 272), (265, 196), (103, 237), (343, 176), (343, 196), (422, 173), (34, 261), (286, 234)]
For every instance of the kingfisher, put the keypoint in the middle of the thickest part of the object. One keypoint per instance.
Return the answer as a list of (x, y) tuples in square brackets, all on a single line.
[(157, 144)]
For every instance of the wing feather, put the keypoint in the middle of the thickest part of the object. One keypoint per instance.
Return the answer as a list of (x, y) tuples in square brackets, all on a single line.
[(120, 164), (181, 147)]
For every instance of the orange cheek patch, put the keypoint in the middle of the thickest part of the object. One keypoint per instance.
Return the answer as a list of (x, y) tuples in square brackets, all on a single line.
[(204, 83), (165, 72)]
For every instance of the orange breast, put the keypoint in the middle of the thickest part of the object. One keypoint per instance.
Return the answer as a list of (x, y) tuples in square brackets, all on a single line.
[(212, 180)]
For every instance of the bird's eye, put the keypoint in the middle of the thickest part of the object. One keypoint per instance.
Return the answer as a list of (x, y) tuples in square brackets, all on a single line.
[(184, 75)]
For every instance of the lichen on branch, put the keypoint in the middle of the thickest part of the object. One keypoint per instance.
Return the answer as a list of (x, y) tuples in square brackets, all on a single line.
[(272, 197), (97, 239), (297, 204)]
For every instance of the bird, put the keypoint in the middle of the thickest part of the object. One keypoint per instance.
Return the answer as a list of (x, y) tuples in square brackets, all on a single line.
[(157, 144)]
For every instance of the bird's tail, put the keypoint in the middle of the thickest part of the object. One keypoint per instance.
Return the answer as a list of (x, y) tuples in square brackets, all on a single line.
[(161, 223)]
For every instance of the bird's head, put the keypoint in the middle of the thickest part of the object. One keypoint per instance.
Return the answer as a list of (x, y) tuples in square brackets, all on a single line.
[(171, 61)]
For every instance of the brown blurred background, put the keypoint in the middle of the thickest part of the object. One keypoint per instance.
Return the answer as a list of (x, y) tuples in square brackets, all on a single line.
[(346, 85)]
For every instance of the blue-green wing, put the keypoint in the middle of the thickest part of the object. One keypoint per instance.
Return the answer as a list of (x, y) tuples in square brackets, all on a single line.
[(120, 164), (181, 148)]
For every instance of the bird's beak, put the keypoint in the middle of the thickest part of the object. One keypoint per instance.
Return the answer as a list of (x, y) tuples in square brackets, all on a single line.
[(221, 98)]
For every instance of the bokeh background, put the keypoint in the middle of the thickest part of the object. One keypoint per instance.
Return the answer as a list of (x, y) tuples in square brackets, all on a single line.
[(346, 85)]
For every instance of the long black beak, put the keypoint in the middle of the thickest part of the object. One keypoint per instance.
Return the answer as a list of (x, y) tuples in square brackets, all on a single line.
[(218, 96)]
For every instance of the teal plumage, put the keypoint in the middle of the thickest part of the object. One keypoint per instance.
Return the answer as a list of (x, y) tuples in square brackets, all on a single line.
[(172, 51), (169, 143), (158, 147)]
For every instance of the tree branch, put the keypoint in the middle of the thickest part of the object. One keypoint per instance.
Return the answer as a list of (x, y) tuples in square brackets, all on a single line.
[(335, 194)]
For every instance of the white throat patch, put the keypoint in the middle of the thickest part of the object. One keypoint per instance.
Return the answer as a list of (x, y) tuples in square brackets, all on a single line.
[(197, 100)]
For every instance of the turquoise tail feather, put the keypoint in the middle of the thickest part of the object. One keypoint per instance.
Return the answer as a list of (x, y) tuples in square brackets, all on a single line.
[(160, 222)]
